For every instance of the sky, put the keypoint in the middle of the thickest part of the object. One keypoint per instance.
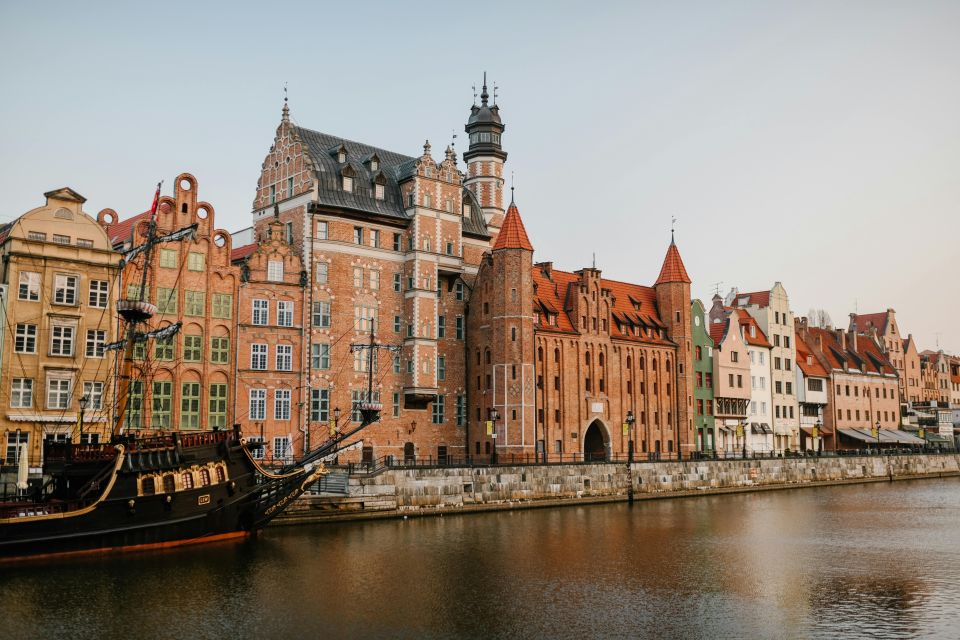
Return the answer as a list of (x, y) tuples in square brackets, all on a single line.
[(812, 143)]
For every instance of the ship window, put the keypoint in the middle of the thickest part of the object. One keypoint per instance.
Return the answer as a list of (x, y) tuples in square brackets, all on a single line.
[(204, 477), (187, 480), (221, 475), (169, 486), (148, 486)]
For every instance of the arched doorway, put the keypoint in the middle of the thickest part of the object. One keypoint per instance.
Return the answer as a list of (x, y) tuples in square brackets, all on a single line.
[(595, 442), (409, 453)]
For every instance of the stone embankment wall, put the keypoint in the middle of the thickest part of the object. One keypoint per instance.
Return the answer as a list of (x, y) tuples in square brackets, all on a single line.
[(397, 492)]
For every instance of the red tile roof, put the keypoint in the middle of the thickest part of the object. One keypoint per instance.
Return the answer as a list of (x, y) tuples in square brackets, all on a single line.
[(633, 305), (718, 330), (512, 234), (672, 269), (759, 298), (867, 357), (813, 368), (239, 253), (864, 321), (759, 339), (123, 230)]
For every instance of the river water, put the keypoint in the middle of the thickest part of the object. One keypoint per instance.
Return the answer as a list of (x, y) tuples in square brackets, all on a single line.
[(876, 560)]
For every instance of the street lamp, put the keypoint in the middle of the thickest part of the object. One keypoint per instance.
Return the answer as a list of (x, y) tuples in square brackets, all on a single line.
[(630, 420), (878, 435), (335, 422), (818, 437), (84, 400), (493, 418)]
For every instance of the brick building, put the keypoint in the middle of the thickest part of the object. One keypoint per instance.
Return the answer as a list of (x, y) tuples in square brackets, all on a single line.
[(60, 274), (935, 375), (911, 383), (565, 358), (863, 390), (271, 324), (186, 382), (883, 328), (392, 243)]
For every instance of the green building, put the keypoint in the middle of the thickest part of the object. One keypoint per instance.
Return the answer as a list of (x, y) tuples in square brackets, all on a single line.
[(702, 345)]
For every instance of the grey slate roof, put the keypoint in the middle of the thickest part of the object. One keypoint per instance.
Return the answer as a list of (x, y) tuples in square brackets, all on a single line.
[(395, 167), (322, 149), (474, 224)]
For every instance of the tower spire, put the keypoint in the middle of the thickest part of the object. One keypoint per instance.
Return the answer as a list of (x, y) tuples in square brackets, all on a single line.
[(286, 107), (484, 96)]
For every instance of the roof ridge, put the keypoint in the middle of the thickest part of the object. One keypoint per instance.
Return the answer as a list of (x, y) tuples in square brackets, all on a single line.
[(357, 142)]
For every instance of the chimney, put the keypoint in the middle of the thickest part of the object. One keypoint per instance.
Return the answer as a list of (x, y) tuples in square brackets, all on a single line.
[(841, 338), (853, 322), (853, 342), (546, 268)]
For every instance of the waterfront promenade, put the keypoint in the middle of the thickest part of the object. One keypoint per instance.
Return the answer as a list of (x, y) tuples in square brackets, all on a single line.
[(396, 488)]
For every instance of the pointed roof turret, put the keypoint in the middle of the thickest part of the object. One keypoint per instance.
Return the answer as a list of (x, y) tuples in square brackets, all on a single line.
[(512, 234), (672, 269)]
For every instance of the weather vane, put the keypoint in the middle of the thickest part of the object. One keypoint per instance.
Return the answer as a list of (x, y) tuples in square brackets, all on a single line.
[(284, 91), (495, 88), (474, 87)]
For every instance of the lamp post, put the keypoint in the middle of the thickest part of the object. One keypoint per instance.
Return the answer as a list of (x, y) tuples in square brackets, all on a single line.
[(334, 424), (817, 436), (630, 420), (493, 418), (84, 400), (877, 427)]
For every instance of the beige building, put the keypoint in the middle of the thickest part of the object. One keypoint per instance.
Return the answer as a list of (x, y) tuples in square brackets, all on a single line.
[(60, 272)]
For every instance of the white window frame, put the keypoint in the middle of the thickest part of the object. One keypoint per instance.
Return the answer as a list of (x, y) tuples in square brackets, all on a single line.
[(94, 393), (29, 287), (99, 294), (21, 393), (284, 357), (275, 270), (96, 341), (281, 404), (62, 339), (323, 272), (261, 312), (58, 393), (258, 404), (258, 356), (65, 288), (285, 313)]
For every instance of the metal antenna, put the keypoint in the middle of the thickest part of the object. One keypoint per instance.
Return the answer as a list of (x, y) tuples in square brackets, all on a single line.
[(716, 287), (673, 223)]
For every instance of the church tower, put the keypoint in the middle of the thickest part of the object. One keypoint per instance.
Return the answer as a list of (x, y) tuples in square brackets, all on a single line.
[(673, 301), (500, 345), (485, 157)]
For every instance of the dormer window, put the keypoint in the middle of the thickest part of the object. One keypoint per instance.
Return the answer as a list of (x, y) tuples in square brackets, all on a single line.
[(378, 191), (374, 165), (348, 184), (341, 156)]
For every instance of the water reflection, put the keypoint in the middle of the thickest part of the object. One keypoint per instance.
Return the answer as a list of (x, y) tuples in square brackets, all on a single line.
[(877, 560)]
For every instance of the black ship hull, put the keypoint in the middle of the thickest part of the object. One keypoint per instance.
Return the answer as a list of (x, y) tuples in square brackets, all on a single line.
[(178, 489)]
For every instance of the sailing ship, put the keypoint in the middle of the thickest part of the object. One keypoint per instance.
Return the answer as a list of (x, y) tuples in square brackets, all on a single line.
[(151, 490)]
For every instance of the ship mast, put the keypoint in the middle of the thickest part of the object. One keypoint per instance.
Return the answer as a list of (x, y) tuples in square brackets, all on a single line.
[(139, 311)]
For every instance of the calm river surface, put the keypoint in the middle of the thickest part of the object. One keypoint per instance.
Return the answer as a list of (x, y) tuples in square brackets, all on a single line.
[(876, 560)]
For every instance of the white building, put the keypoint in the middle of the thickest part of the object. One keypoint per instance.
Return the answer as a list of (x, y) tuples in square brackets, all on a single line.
[(771, 310), (813, 381)]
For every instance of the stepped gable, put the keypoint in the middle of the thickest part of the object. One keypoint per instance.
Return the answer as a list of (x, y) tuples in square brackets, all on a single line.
[(672, 269), (512, 235)]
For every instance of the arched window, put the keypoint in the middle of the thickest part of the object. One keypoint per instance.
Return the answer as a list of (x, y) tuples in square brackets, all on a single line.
[(186, 479), (149, 488), (586, 358), (221, 474), (204, 477), (642, 362), (539, 354), (629, 362), (653, 365), (556, 355), (600, 359), (667, 365), (488, 356), (169, 484), (478, 356)]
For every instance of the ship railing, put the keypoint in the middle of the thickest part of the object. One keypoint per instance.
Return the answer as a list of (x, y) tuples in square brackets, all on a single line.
[(203, 438), (67, 452)]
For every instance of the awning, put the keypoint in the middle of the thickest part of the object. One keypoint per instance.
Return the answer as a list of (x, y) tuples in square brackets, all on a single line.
[(936, 437), (762, 429), (809, 431), (887, 436), (856, 434)]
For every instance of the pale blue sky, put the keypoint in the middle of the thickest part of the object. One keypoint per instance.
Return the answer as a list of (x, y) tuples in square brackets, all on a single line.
[(815, 143)]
